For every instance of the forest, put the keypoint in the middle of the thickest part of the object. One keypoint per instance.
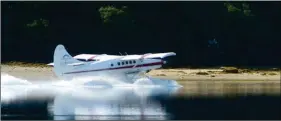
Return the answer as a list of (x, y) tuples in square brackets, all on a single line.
[(241, 33)]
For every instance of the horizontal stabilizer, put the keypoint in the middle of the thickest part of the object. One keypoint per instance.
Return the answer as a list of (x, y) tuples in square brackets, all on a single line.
[(50, 64), (76, 64)]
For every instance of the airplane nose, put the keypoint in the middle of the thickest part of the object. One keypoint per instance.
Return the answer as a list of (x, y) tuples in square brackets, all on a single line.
[(163, 62)]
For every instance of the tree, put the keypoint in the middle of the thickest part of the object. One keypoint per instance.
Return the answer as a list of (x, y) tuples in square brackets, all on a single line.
[(239, 8), (111, 13)]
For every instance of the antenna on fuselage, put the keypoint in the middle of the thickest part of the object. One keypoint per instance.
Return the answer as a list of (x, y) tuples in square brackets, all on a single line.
[(126, 53), (120, 53)]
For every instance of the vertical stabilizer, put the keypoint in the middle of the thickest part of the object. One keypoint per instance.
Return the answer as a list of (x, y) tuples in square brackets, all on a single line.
[(62, 59)]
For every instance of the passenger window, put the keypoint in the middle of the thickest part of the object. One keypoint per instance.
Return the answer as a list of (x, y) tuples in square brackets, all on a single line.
[(134, 61), (122, 63), (111, 64), (126, 62), (118, 63), (130, 62)]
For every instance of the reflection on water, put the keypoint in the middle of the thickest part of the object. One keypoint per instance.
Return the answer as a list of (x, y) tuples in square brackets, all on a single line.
[(130, 102), (77, 102), (110, 104)]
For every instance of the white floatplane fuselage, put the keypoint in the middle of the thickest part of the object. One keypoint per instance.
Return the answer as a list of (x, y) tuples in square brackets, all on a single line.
[(128, 66)]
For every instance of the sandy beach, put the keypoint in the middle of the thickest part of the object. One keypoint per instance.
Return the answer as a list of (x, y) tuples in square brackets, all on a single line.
[(46, 73)]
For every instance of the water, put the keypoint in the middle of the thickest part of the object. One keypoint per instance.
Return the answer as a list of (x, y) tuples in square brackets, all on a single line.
[(96, 99), (87, 98)]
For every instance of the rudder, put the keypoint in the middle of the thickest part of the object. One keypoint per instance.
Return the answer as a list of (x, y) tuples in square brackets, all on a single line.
[(61, 60)]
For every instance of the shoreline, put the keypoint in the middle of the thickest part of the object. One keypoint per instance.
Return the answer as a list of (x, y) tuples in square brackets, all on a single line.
[(42, 72)]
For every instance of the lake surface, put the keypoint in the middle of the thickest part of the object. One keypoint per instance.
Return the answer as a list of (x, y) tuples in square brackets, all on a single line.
[(61, 100)]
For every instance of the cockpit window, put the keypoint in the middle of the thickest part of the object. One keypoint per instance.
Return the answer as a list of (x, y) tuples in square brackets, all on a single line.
[(93, 60), (81, 59), (156, 58)]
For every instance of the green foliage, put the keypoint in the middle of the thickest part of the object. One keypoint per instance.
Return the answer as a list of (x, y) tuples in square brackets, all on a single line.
[(37, 23), (233, 8), (247, 13), (33, 24), (109, 12), (246, 10)]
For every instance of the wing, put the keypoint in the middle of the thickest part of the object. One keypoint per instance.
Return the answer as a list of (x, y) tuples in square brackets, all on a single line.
[(91, 57), (149, 55), (95, 57), (81, 57), (85, 57), (160, 55)]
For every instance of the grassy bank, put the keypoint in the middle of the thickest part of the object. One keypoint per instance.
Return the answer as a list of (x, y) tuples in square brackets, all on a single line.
[(24, 64)]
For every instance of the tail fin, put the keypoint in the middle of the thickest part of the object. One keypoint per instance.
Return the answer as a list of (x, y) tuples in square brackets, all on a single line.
[(63, 61)]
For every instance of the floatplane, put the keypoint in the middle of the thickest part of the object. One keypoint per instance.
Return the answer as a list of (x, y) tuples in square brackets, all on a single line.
[(125, 67)]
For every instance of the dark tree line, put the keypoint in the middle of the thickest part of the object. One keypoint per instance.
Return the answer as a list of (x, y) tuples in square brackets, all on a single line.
[(201, 33)]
